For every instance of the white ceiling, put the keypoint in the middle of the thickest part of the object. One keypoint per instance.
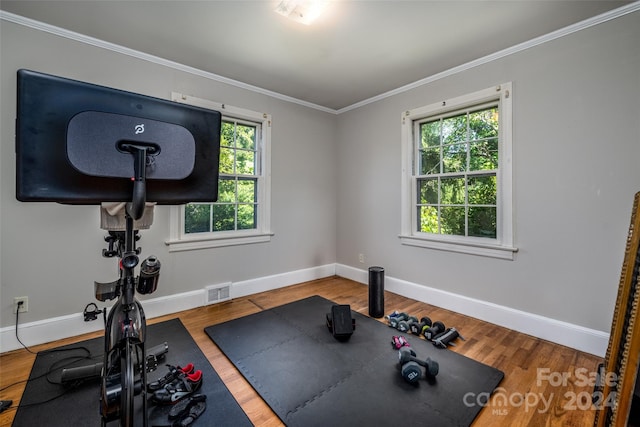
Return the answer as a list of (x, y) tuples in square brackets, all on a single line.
[(355, 51)]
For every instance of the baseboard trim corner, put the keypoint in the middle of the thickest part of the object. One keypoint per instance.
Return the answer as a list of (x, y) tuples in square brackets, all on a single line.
[(575, 336), (52, 329)]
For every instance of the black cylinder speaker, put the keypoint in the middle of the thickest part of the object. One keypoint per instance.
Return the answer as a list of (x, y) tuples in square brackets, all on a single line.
[(376, 292)]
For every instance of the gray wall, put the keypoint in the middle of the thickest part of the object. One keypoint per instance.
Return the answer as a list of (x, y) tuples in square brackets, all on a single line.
[(52, 253), (576, 146), (576, 149)]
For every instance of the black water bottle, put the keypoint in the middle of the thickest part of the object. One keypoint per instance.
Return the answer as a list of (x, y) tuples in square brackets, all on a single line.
[(149, 275), (376, 292)]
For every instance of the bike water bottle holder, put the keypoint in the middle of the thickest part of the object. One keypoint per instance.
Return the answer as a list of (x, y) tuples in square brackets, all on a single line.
[(107, 291)]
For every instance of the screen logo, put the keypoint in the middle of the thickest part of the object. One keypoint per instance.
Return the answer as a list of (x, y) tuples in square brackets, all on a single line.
[(139, 129)]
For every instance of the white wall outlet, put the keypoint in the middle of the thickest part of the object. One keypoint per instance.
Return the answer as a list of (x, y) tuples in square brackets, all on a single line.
[(361, 258), (24, 307)]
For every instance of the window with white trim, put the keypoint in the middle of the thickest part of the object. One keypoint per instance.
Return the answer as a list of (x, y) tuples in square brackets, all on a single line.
[(241, 214), (456, 186)]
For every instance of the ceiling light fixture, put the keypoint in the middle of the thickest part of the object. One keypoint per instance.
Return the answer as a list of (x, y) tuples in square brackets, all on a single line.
[(303, 11)]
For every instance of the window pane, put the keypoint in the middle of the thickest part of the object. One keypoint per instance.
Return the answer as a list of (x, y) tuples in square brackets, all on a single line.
[(197, 218), (246, 137), (245, 162), (430, 161), (482, 222), (484, 155), (456, 164), (223, 217), (428, 191), (454, 158), (452, 220), (247, 191), (430, 134), (226, 161), (482, 190), (454, 129), (246, 217), (227, 134), (452, 191), (226, 190), (427, 219), (483, 123)]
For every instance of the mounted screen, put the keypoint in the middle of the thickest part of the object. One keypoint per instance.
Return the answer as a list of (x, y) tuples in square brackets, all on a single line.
[(71, 140)]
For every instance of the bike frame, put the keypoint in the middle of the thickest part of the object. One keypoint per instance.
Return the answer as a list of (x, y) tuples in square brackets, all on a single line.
[(124, 373)]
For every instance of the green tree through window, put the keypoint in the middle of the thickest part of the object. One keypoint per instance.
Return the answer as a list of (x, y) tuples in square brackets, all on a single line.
[(456, 173), (237, 205)]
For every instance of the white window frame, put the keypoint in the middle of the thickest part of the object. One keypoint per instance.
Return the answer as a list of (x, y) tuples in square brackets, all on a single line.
[(181, 241), (500, 247)]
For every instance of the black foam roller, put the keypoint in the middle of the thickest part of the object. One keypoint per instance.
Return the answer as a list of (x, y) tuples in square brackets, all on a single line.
[(376, 292)]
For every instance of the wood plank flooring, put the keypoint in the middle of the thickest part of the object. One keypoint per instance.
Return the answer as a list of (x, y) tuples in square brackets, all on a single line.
[(545, 384)]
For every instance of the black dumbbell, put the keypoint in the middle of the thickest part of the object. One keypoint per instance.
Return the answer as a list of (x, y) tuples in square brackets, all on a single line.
[(410, 366), (446, 338), (394, 320), (435, 329), (419, 328), (403, 325)]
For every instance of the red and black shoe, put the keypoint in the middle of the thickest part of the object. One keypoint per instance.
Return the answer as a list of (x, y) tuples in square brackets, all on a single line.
[(184, 386), (174, 374)]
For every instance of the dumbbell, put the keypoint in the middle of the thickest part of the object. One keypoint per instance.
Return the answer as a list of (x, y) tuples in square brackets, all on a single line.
[(404, 325), (410, 366), (419, 328), (446, 338), (435, 329), (398, 341), (395, 319)]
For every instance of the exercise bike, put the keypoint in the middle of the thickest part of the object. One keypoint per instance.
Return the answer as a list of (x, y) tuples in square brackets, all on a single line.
[(125, 363), (74, 144)]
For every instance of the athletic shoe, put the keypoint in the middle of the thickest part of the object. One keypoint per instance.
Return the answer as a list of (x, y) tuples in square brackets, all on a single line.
[(184, 386), (182, 408), (174, 373), (194, 412)]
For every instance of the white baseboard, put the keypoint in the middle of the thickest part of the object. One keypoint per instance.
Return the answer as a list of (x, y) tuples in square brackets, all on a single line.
[(267, 283), (584, 339), (71, 325), (574, 336)]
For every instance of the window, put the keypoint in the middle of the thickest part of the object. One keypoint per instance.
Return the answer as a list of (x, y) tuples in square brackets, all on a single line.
[(457, 174), (241, 214)]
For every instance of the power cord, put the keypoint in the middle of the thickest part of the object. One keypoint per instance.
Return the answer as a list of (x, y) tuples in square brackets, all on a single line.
[(20, 303), (56, 366), (6, 404)]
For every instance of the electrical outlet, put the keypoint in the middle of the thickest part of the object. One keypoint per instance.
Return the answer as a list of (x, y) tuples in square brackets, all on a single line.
[(24, 307), (361, 258)]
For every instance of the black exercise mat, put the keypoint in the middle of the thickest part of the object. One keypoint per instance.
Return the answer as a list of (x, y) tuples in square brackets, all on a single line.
[(309, 378), (80, 406)]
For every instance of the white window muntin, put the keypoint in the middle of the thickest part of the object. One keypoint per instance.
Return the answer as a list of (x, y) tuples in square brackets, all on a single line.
[(502, 246), (179, 240)]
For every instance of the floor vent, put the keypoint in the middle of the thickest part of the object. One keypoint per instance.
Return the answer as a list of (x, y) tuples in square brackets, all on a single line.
[(217, 293)]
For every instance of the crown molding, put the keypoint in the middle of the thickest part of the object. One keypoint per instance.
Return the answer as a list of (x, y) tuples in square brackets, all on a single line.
[(579, 26), (51, 29), (588, 23)]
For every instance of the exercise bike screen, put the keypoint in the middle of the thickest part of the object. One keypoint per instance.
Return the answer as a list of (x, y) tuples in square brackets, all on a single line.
[(70, 137)]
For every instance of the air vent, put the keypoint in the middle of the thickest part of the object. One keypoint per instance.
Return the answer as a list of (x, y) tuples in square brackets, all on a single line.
[(217, 293)]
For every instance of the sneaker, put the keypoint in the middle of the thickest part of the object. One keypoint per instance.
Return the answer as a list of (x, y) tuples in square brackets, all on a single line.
[(180, 409), (174, 373), (194, 412), (184, 386)]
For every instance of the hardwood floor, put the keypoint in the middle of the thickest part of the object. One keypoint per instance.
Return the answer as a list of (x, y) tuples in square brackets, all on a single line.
[(545, 384)]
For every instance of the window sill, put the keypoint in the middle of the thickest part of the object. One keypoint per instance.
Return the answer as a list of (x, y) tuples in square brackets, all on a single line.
[(481, 249), (190, 243)]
